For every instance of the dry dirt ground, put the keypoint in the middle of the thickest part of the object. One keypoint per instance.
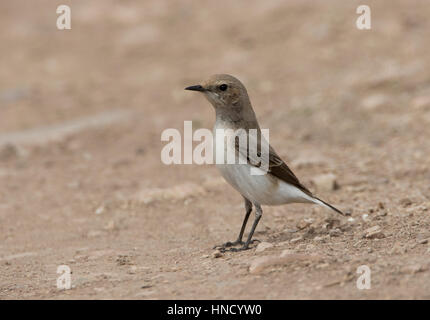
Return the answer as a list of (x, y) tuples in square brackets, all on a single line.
[(82, 183)]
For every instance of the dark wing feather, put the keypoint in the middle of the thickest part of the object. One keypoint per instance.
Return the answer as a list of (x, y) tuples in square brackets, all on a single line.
[(277, 167), (280, 170)]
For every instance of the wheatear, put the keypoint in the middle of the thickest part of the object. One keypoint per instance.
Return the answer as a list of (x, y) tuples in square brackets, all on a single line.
[(278, 185)]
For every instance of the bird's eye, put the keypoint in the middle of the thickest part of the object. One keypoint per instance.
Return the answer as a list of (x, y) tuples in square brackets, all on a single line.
[(223, 87)]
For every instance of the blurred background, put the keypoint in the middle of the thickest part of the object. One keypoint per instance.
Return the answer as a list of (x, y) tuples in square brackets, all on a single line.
[(81, 115)]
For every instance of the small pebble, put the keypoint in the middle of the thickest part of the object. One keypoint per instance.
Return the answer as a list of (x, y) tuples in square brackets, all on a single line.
[(374, 233), (217, 254), (423, 241), (405, 202), (335, 232), (295, 240), (263, 246), (100, 210)]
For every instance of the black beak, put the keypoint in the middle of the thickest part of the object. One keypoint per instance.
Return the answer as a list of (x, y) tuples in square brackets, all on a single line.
[(195, 88)]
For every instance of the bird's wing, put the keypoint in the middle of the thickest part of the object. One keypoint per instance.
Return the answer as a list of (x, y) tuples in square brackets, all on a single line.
[(279, 169), (277, 166)]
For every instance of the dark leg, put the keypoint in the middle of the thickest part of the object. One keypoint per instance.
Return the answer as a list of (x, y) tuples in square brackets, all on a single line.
[(248, 208), (258, 214)]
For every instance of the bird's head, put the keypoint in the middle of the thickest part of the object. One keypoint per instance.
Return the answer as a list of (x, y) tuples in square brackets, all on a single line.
[(223, 91)]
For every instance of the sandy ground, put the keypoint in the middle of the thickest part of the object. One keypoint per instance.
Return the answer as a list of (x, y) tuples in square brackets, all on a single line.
[(82, 183)]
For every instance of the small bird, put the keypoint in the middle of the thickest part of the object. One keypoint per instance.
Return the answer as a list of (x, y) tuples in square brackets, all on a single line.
[(279, 185)]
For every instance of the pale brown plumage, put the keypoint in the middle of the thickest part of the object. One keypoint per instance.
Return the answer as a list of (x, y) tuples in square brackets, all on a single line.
[(234, 111)]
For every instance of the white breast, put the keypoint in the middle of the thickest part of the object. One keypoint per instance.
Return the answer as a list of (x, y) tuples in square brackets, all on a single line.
[(262, 189)]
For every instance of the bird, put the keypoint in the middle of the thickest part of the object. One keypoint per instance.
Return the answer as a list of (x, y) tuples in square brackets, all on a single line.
[(277, 184)]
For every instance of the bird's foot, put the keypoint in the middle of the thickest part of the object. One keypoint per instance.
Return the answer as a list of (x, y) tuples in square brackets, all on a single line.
[(243, 248), (230, 246)]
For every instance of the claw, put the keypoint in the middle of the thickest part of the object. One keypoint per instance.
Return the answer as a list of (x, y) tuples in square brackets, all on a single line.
[(243, 248), (229, 244), (223, 248)]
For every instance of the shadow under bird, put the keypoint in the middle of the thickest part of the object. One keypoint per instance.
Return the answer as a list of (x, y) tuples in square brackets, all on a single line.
[(278, 185)]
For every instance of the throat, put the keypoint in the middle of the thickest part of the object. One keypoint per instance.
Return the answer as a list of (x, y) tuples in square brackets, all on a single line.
[(242, 118), (228, 115)]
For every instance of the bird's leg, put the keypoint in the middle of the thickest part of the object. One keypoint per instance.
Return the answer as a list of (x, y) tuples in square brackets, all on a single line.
[(248, 208), (258, 214)]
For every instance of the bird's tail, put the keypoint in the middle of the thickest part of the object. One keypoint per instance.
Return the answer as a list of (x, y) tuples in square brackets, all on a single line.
[(327, 205)]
